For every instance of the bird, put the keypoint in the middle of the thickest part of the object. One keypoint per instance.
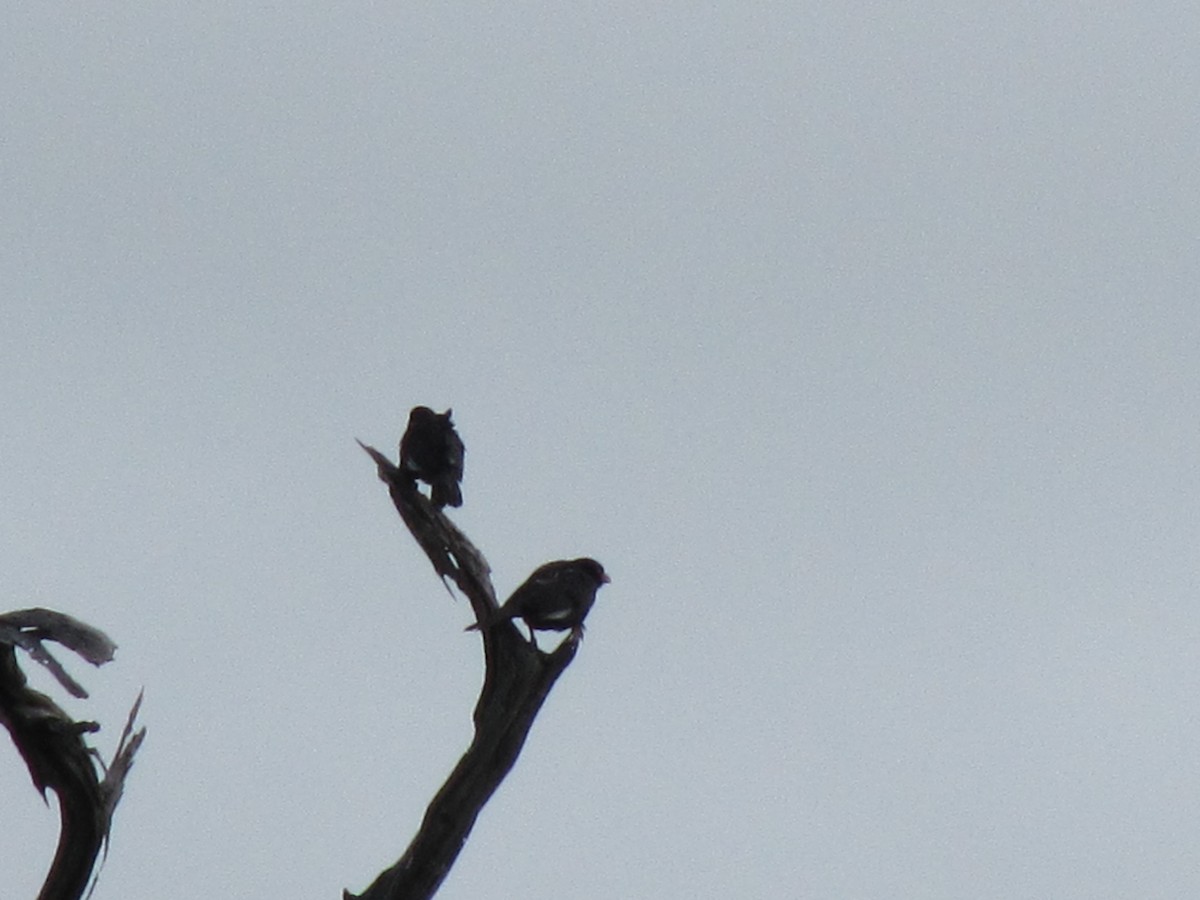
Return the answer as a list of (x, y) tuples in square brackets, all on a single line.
[(432, 451), (556, 597)]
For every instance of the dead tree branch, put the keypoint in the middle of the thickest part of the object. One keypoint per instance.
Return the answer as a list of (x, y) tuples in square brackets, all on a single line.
[(52, 743), (517, 680)]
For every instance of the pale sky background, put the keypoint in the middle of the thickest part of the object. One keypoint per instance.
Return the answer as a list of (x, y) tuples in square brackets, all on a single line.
[(859, 342)]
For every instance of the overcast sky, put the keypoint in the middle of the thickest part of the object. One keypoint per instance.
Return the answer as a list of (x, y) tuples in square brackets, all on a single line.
[(859, 343)]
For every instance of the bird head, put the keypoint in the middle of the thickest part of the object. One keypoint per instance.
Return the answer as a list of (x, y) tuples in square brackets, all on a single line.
[(594, 569)]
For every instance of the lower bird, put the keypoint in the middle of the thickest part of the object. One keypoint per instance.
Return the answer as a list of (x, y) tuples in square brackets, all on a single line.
[(556, 597)]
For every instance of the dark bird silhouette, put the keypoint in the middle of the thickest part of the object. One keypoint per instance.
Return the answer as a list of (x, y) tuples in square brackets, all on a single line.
[(556, 597), (432, 451)]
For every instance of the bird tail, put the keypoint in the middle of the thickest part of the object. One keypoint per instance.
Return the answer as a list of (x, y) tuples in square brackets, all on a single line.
[(490, 622), (481, 625), (446, 493)]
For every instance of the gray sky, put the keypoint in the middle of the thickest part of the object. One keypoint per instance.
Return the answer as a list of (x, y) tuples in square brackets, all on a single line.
[(858, 342)]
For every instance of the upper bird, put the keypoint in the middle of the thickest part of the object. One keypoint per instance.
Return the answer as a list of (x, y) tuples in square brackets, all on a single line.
[(432, 451), (556, 597)]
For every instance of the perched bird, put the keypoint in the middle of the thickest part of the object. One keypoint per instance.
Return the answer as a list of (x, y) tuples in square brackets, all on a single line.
[(432, 451), (556, 597)]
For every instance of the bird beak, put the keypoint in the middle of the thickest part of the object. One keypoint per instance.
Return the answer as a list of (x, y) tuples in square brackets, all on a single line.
[(604, 579)]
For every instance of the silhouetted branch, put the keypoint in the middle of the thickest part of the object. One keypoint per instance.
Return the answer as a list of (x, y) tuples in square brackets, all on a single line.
[(517, 680), (52, 745)]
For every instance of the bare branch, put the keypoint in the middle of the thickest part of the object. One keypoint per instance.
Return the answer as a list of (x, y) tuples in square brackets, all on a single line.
[(28, 628), (52, 745), (517, 680)]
